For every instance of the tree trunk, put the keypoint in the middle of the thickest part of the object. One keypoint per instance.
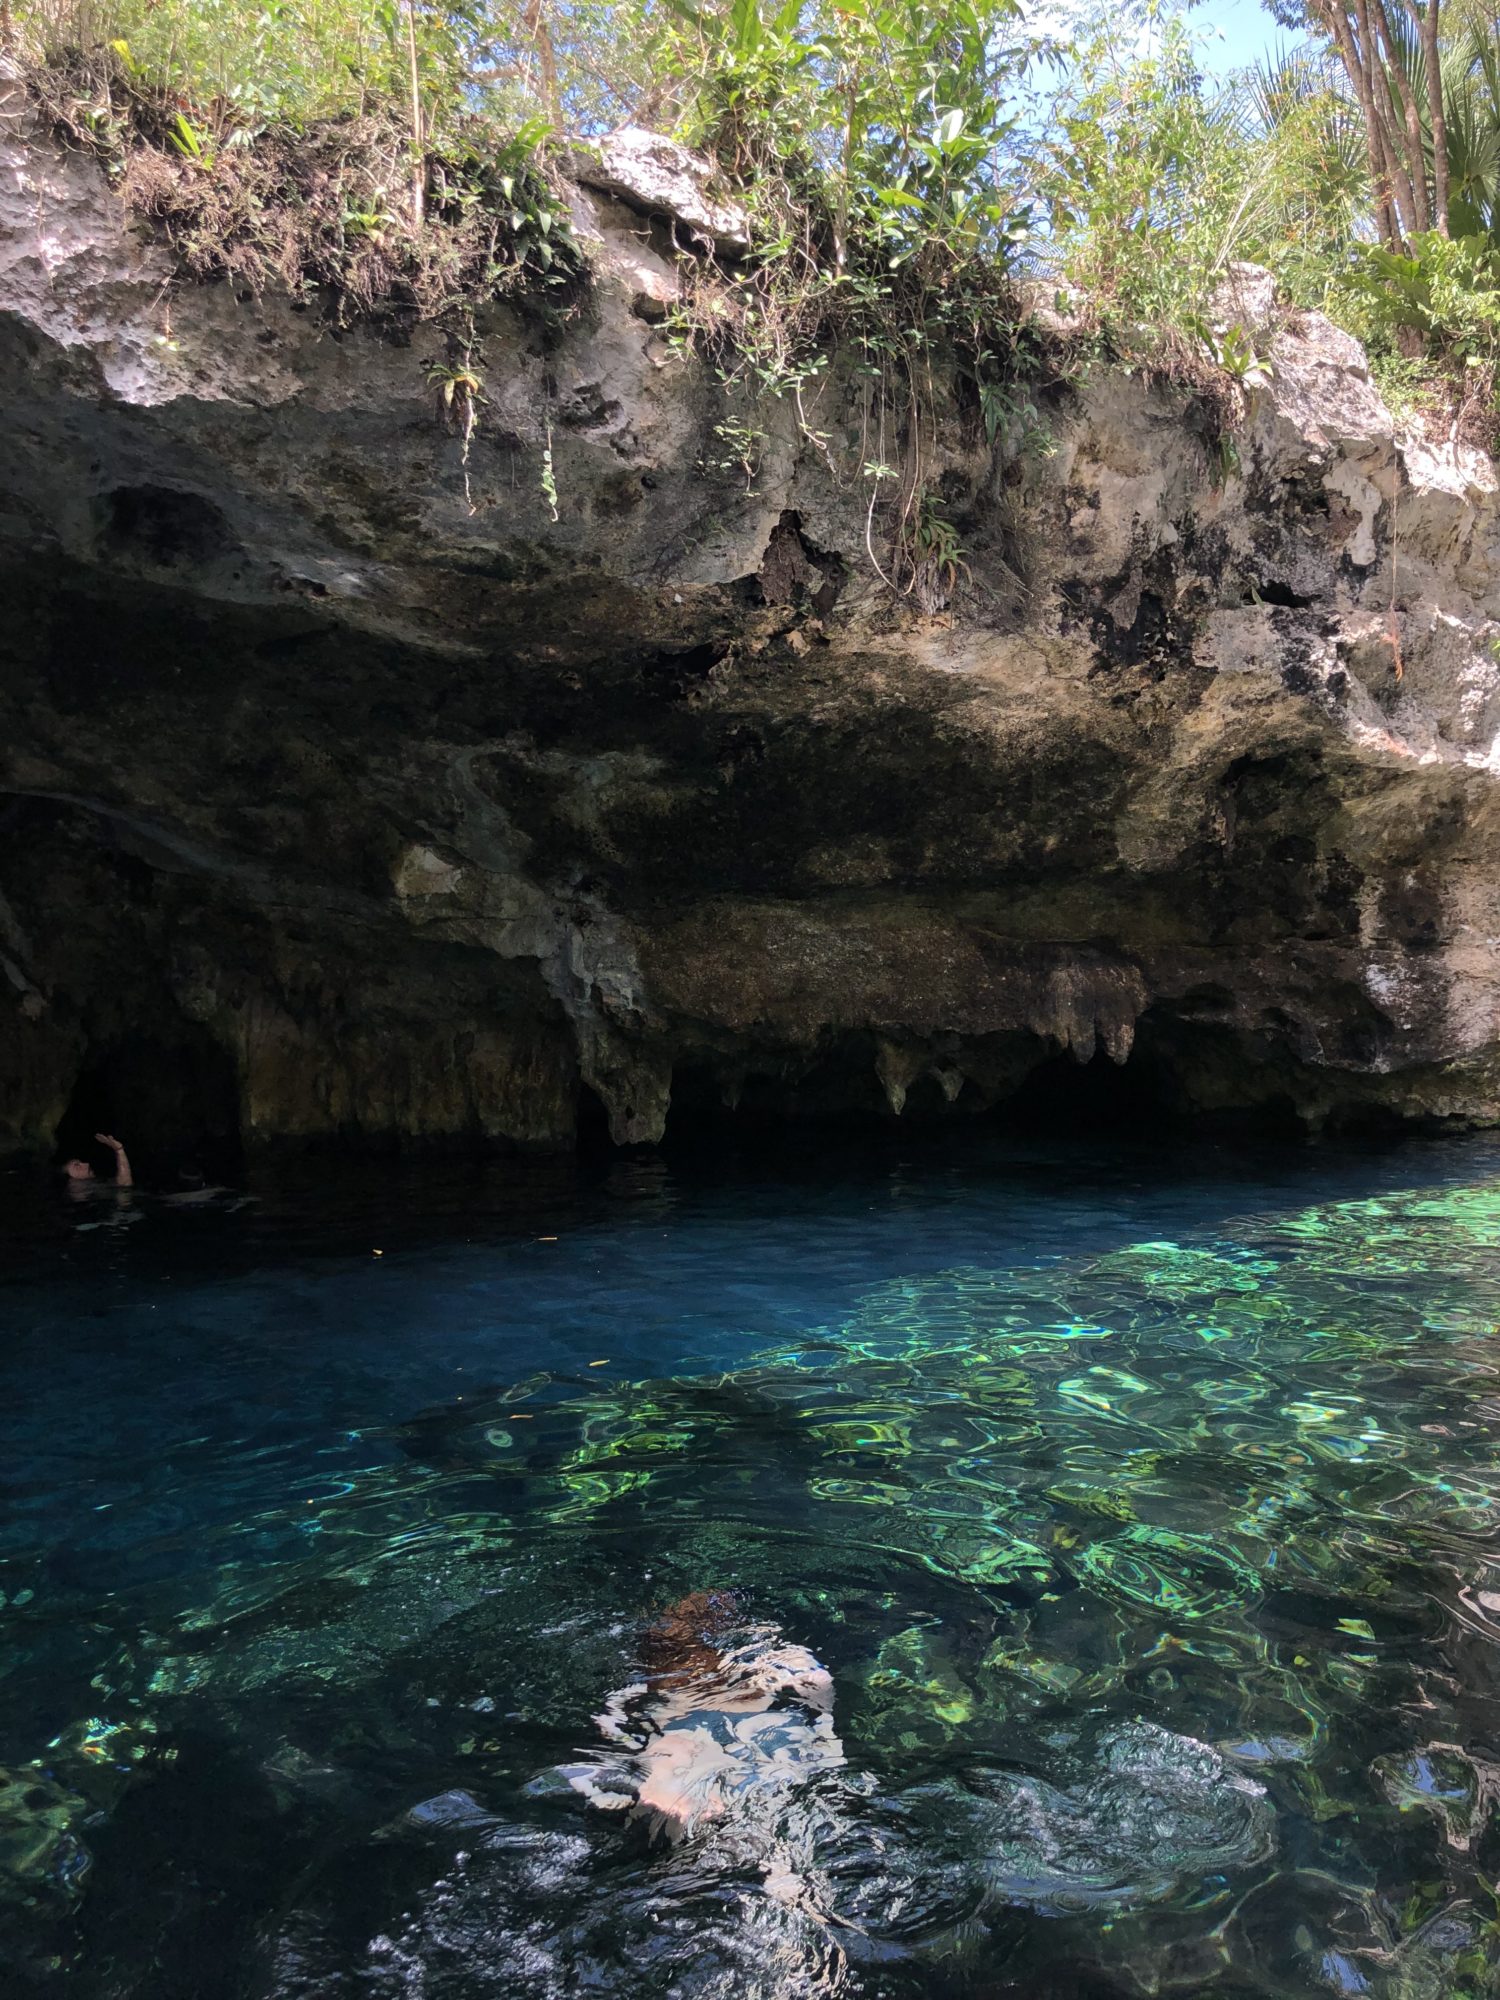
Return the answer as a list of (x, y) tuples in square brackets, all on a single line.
[(539, 34), (1397, 178), (846, 167), (1432, 62), (1336, 19), (418, 148), (1416, 152)]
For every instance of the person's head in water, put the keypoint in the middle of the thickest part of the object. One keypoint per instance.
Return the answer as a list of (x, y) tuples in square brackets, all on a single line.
[(78, 1172)]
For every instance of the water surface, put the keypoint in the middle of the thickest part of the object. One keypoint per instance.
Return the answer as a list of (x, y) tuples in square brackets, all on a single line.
[(1144, 1508)]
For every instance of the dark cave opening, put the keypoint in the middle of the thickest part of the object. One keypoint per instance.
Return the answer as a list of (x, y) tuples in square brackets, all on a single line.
[(1064, 1095), (172, 1099), (591, 1121), (1157, 1091), (837, 1088), (1185, 1076), (163, 525), (1182, 1077)]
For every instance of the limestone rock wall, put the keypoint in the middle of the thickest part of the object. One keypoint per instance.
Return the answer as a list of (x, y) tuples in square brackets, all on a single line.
[(379, 816)]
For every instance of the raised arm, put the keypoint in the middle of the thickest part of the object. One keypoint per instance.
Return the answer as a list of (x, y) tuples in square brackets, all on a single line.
[(123, 1175)]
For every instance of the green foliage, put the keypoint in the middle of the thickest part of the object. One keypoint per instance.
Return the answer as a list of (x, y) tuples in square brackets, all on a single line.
[(1447, 292), (260, 62), (893, 116), (901, 161), (1430, 321), (1312, 184), (327, 208), (1235, 353), (1140, 178), (185, 138), (460, 386), (1154, 183), (736, 449), (1009, 412), (1471, 86), (939, 563), (872, 142), (460, 391), (587, 65), (549, 478)]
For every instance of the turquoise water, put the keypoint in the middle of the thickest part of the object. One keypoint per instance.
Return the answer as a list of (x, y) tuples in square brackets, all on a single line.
[(1141, 1512)]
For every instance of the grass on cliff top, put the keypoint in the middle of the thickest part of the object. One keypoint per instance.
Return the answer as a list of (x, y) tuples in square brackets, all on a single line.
[(902, 162), (896, 155), (342, 208), (395, 156), (392, 158), (1112, 161)]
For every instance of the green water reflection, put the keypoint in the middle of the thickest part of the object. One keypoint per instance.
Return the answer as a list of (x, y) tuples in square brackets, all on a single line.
[(1161, 1593)]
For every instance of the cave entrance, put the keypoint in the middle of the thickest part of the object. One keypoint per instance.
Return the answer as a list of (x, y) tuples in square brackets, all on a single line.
[(1181, 1077), (1065, 1097), (171, 1099), (591, 1122), (837, 1090)]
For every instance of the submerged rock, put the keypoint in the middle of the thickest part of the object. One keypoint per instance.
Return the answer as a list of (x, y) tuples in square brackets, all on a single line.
[(915, 1694), (42, 1853), (880, 1890), (1147, 1812)]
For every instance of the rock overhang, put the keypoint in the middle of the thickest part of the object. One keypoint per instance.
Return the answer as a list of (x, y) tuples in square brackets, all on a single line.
[(435, 818)]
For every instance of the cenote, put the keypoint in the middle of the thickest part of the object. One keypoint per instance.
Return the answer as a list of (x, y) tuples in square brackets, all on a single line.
[(1142, 1508), (753, 716)]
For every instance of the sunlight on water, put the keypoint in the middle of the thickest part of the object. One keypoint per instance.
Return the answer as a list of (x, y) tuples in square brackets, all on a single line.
[(1120, 1621)]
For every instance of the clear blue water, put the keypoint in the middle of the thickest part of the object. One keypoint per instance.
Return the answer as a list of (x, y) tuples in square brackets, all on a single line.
[(1143, 1508)]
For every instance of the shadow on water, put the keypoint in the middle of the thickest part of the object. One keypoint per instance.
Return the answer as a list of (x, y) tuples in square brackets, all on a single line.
[(1142, 1505)]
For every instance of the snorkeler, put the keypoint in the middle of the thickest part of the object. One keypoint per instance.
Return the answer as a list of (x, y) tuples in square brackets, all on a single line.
[(726, 1711), (81, 1176), (83, 1185)]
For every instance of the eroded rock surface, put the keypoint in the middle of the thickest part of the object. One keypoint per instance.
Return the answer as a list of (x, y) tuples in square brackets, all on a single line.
[(660, 177), (339, 809)]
